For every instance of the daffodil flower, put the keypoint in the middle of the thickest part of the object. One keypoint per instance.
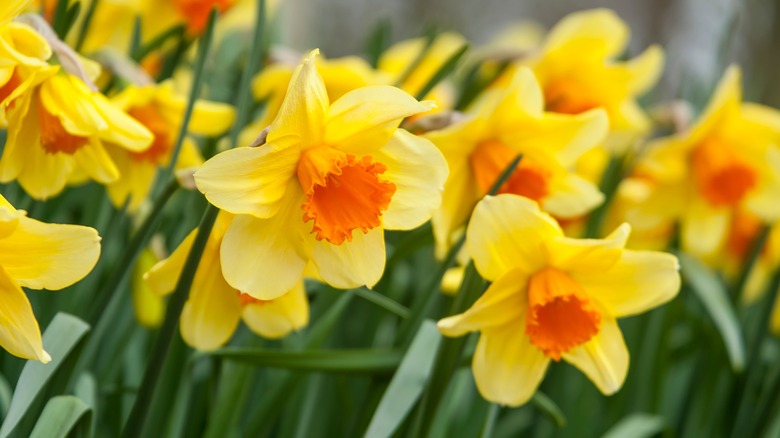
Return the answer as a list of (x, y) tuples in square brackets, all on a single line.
[(504, 123), (578, 71), (37, 255), (160, 110), (552, 298), (214, 308), (329, 180), (727, 161), (11, 8), (61, 125)]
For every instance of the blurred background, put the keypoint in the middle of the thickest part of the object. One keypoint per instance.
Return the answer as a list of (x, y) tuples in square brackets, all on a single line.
[(701, 37)]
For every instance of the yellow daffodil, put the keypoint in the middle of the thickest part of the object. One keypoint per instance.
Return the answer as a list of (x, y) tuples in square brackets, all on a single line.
[(339, 75), (552, 298), (160, 110), (329, 180), (36, 255), (506, 122), (727, 161), (23, 55), (213, 309), (578, 71), (60, 125)]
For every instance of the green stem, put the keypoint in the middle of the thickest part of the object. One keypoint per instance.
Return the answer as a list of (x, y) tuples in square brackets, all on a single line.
[(111, 289), (608, 186), (84, 30), (135, 423), (197, 84), (256, 54), (384, 302), (446, 68)]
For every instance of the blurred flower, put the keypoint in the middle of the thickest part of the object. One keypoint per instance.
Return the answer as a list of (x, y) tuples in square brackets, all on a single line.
[(506, 122), (727, 161), (397, 62), (37, 255), (161, 111), (552, 298), (60, 125), (23, 55), (346, 165), (11, 8), (339, 75), (213, 309), (577, 70)]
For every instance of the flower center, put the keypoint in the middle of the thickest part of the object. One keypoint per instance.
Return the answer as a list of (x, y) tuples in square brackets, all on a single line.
[(722, 175), (343, 193), (148, 116), (568, 97), (560, 315), (54, 137), (196, 12), (529, 179)]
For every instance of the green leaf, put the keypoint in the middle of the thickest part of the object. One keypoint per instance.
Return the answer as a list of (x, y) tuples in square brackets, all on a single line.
[(5, 395), (61, 416), (60, 339), (637, 426), (713, 295), (446, 68), (384, 302), (407, 383), (332, 361), (549, 408)]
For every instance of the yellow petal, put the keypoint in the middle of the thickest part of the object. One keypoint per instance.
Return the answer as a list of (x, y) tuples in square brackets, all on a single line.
[(163, 276), (302, 114), (135, 181), (67, 98), (19, 331), (248, 180), (24, 45), (211, 119), (638, 282), (507, 232), (587, 255), (645, 70), (95, 161), (276, 319), (507, 367), (601, 29), (212, 311), (704, 228), (502, 303), (9, 218), (604, 359), (123, 130), (461, 193), (522, 97), (11, 8), (763, 201), (572, 196), (418, 171), (365, 118), (352, 264), (266, 257), (725, 100), (49, 256)]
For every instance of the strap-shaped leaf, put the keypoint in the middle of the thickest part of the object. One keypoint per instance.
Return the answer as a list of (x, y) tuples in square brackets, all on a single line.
[(61, 416)]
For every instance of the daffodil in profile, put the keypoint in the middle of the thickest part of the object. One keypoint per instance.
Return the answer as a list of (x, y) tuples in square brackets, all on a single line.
[(728, 161), (578, 69), (504, 123), (323, 188), (37, 255), (552, 298), (214, 308), (161, 111), (59, 126)]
